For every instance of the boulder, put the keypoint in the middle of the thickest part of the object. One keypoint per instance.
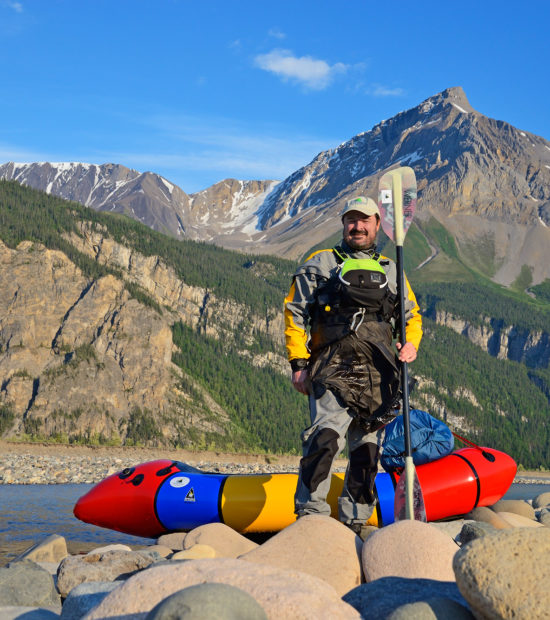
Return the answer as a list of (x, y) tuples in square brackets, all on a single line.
[(409, 549), (516, 520), (282, 593), (516, 506), (52, 549), (107, 566), (85, 597), (474, 529), (382, 597), (173, 541), (434, 609), (542, 500), (113, 547), (451, 528), (28, 613), (506, 575), (226, 541), (208, 600), (162, 550), (318, 545), (486, 515), (26, 584), (544, 517), (196, 552)]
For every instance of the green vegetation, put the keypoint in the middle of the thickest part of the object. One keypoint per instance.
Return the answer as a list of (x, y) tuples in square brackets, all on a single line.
[(6, 418), (524, 280), (255, 281), (512, 415), (541, 291), (510, 400), (142, 428), (262, 403)]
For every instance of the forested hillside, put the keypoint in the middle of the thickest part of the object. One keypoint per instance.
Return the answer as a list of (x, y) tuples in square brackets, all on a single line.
[(234, 392)]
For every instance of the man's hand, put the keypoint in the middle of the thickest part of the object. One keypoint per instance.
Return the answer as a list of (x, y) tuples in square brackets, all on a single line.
[(300, 381), (407, 353)]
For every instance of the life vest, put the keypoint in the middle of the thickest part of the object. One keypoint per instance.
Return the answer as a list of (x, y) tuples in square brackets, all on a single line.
[(359, 292), (351, 337)]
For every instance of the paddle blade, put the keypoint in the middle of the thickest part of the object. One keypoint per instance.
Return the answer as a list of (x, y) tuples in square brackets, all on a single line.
[(408, 501), (397, 195)]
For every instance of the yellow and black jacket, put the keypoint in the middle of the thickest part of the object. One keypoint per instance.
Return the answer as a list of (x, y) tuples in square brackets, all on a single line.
[(347, 349)]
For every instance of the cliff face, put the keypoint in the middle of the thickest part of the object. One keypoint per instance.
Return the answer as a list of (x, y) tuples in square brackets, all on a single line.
[(500, 341), (83, 359)]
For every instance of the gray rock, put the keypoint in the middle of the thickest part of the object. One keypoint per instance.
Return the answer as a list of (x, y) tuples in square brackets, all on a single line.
[(318, 545), (173, 540), (85, 597), (516, 506), (381, 597), (506, 575), (26, 584), (409, 549), (208, 600), (283, 593), (451, 528), (28, 613), (486, 515), (108, 566), (226, 541), (542, 500), (544, 517), (474, 529), (434, 609), (52, 549)]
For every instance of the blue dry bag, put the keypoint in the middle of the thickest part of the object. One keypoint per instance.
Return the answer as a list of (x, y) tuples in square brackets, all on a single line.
[(431, 439)]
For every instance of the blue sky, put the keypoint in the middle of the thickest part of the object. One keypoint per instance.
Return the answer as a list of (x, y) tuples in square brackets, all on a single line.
[(199, 91)]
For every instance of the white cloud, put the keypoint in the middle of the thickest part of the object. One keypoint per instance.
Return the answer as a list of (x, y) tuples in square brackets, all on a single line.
[(276, 33), (311, 72), (384, 91), (11, 4)]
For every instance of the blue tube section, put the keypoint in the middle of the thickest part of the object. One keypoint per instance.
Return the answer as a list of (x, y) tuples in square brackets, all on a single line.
[(386, 494), (186, 500)]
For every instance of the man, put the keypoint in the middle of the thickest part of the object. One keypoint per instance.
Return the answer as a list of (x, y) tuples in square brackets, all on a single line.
[(339, 318)]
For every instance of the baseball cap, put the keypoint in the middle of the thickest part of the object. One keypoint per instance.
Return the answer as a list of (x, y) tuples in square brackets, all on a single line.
[(366, 206)]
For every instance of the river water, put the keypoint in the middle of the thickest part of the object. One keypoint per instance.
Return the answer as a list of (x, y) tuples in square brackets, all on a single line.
[(29, 513)]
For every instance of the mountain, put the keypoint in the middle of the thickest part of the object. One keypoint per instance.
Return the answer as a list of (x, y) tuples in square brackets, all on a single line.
[(113, 333), (486, 182), (148, 197)]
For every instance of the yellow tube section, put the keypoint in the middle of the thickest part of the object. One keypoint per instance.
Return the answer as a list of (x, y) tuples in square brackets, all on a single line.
[(265, 502)]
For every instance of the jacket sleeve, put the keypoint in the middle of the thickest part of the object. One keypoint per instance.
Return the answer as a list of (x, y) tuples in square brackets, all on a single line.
[(297, 305), (413, 327)]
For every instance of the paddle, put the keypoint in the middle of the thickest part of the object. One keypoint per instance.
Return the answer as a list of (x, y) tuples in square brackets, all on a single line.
[(397, 202)]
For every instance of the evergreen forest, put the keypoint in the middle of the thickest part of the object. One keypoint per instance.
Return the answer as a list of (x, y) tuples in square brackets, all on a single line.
[(509, 403)]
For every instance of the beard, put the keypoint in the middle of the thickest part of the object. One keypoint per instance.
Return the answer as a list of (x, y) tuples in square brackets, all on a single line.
[(359, 243)]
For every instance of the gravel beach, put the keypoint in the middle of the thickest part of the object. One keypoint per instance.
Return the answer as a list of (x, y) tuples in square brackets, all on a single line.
[(33, 463)]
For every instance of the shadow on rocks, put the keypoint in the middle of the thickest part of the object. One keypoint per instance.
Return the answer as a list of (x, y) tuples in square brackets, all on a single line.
[(379, 598)]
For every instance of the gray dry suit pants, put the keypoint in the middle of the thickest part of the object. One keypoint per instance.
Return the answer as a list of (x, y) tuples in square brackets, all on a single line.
[(321, 444)]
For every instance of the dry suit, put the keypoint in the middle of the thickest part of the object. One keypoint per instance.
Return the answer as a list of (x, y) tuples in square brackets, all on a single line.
[(340, 327)]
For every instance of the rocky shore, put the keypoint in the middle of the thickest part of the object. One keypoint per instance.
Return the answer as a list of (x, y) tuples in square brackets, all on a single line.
[(491, 564)]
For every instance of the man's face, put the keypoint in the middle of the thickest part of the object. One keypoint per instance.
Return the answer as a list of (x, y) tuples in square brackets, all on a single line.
[(360, 230)]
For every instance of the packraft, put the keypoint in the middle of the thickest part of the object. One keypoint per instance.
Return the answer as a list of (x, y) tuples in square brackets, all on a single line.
[(431, 439)]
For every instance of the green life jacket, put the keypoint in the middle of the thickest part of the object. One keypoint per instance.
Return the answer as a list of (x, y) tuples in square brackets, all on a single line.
[(351, 337), (357, 293)]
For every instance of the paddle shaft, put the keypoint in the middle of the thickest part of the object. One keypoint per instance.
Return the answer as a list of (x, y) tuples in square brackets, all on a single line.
[(403, 339), (410, 472)]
